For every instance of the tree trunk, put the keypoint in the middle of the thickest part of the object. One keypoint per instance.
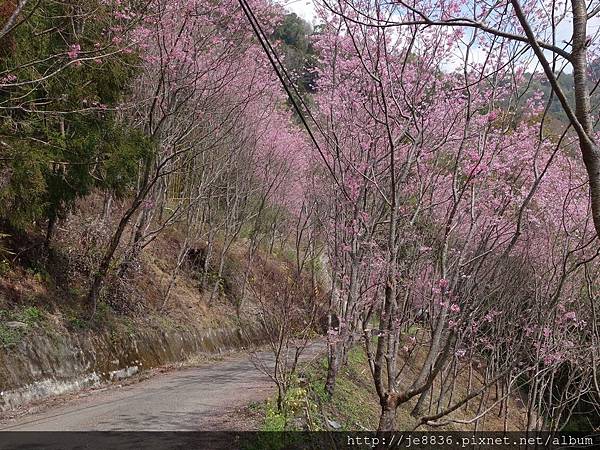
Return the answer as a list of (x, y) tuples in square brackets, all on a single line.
[(52, 219), (332, 370), (581, 119), (100, 275), (583, 108), (217, 282), (387, 419), (207, 257), (419, 409), (593, 170)]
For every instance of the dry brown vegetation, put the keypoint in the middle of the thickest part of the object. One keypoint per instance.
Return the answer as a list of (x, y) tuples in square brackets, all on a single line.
[(55, 282)]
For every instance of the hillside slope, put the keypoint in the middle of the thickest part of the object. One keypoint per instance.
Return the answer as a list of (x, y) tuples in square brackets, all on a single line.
[(355, 405)]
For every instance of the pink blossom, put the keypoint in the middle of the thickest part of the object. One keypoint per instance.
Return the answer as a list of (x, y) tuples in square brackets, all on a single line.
[(443, 284), (547, 332), (74, 50), (10, 78)]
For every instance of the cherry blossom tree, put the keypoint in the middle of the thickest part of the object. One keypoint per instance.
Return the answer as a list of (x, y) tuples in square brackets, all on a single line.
[(453, 191), (516, 30), (210, 96)]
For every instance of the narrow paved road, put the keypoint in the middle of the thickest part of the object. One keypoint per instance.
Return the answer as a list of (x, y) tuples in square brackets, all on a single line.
[(189, 399)]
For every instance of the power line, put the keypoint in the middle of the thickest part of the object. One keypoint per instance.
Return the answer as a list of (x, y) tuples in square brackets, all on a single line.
[(274, 60), (285, 72)]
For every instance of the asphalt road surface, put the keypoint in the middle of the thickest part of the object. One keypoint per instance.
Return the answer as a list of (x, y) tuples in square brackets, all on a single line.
[(194, 399)]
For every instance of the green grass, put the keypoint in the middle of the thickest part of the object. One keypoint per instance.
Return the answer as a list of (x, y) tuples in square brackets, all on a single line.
[(274, 420), (76, 322), (9, 336), (354, 405), (30, 315), (4, 266), (277, 424), (294, 404)]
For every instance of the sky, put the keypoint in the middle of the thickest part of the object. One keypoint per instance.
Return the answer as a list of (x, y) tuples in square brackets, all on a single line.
[(303, 8), (306, 10)]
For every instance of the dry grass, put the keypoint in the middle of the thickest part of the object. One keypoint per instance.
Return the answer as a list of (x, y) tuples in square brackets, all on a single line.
[(57, 284)]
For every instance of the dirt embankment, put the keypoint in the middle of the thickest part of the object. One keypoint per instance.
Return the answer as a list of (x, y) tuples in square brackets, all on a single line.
[(161, 311)]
